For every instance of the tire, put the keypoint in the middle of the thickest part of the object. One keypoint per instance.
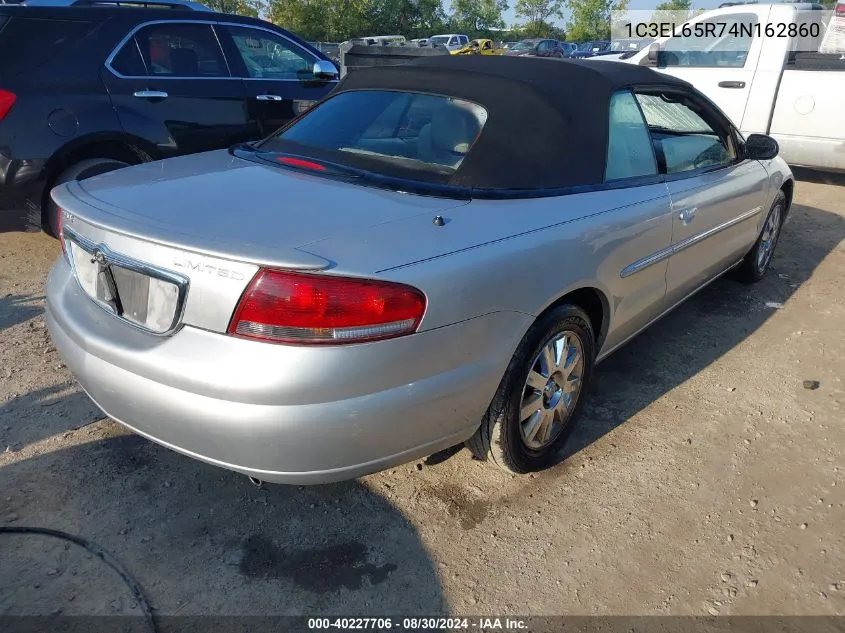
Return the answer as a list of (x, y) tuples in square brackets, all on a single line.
[(505, 436), (78, 171), (757, 261)]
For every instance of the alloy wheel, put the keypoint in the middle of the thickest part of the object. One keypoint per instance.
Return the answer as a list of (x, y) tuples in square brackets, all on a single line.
[(768, 239), (551, 390)]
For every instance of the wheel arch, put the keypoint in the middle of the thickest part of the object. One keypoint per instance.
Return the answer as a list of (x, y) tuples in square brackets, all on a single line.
[(125, 148), (593, 301), (788, 188)]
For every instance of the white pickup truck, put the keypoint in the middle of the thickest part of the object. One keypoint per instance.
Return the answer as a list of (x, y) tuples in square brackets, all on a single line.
[(765, 80)]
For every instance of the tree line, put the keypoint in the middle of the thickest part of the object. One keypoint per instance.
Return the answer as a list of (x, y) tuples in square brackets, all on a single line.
[(340, 20)]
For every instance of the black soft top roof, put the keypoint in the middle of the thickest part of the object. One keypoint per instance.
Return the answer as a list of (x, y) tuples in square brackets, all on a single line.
[(547, 119)]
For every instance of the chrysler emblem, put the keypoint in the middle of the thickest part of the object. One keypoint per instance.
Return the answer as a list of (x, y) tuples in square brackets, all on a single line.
[(98, 257)]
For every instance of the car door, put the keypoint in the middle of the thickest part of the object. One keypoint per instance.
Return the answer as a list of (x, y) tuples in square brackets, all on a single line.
[(545, 48), (716, 194), (638, 263), (277, 72), (719, 56), (169, 83)]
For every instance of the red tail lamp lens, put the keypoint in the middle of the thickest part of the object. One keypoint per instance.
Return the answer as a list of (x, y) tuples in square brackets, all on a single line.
[(7, 100), (288, 307), (301, 163)]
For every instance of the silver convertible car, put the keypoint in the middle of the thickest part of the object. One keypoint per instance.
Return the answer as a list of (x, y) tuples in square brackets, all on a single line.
[(436, 253)]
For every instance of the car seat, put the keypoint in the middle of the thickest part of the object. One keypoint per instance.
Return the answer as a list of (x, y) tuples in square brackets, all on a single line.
[(184, 62), (448, 137)]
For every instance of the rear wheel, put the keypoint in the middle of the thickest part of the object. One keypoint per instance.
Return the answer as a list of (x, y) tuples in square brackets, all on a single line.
[(78, 171), (539, 399), (755, 264)]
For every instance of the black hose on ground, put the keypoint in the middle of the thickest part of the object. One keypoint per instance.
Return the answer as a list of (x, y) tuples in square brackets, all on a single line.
[(100, 553)]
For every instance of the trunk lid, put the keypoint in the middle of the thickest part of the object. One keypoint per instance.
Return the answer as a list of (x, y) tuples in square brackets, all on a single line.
[(221, 205), (186, 236)]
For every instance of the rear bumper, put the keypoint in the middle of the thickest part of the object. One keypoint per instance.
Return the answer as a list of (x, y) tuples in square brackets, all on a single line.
[(278, 413), (21, 191)]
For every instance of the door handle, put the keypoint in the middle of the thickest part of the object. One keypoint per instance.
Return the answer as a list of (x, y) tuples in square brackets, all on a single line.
[(269, 98), (687, 215), (150, 94), (731, 84)]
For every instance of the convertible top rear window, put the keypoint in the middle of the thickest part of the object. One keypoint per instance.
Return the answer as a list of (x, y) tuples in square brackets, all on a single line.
[(391, 131)]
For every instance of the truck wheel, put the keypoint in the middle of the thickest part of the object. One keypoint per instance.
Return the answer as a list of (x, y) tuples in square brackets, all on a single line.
[(755, 264), (539, 399), (78, 171)]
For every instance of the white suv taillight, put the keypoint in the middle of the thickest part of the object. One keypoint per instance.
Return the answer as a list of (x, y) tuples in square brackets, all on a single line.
[(305, 308)]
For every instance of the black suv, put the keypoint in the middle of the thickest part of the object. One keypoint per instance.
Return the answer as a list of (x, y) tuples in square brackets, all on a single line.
[(90, 87)]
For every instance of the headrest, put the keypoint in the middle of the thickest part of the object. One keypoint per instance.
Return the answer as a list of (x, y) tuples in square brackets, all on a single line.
[(184, 62), (453, 129)]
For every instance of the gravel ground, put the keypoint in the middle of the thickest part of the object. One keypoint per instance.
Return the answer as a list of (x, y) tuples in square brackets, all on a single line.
[(704, 479)]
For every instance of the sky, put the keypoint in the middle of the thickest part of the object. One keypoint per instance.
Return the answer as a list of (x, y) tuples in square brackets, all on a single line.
[(634, 5)]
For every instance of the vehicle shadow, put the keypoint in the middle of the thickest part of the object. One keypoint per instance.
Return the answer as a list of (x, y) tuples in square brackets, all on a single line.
[(703, 329), (803, 174), (15, 309), (200, 540), (32, 417)]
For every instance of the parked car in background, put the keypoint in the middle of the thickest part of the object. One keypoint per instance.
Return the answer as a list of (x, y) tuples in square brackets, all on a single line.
[(569, 48), (625, 45), (784, 75), (420, 42), (478, 47), (622, 49), (538, 48), (384, 40), (591, 49), (451, 41), (92, 88), (202, 301)]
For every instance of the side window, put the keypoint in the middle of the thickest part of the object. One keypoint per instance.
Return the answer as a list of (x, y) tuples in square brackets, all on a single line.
[(545, 46), (629, 147), (128, 61), (28, 42), (683, 139), (270, 56), (174, 50), (722, 42)]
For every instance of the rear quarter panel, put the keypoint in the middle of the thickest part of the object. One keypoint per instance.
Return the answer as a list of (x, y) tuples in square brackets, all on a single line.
[(522, 255), (61, 101)]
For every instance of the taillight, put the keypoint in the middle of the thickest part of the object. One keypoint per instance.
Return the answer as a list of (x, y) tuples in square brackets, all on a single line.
[(7, 100), (288, 307)]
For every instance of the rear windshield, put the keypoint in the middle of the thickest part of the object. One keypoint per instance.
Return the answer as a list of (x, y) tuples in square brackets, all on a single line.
[(27, 43), (394, 133)]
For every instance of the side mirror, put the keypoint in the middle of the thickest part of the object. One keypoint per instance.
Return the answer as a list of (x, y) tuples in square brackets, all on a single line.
[(653, 54), (324, 70), (761, 147)]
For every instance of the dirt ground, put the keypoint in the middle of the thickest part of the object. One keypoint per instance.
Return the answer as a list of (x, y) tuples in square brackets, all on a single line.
[(704, 479)]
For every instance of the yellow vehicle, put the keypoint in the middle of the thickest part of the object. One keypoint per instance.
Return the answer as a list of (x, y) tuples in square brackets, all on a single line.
[(478, 47)]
